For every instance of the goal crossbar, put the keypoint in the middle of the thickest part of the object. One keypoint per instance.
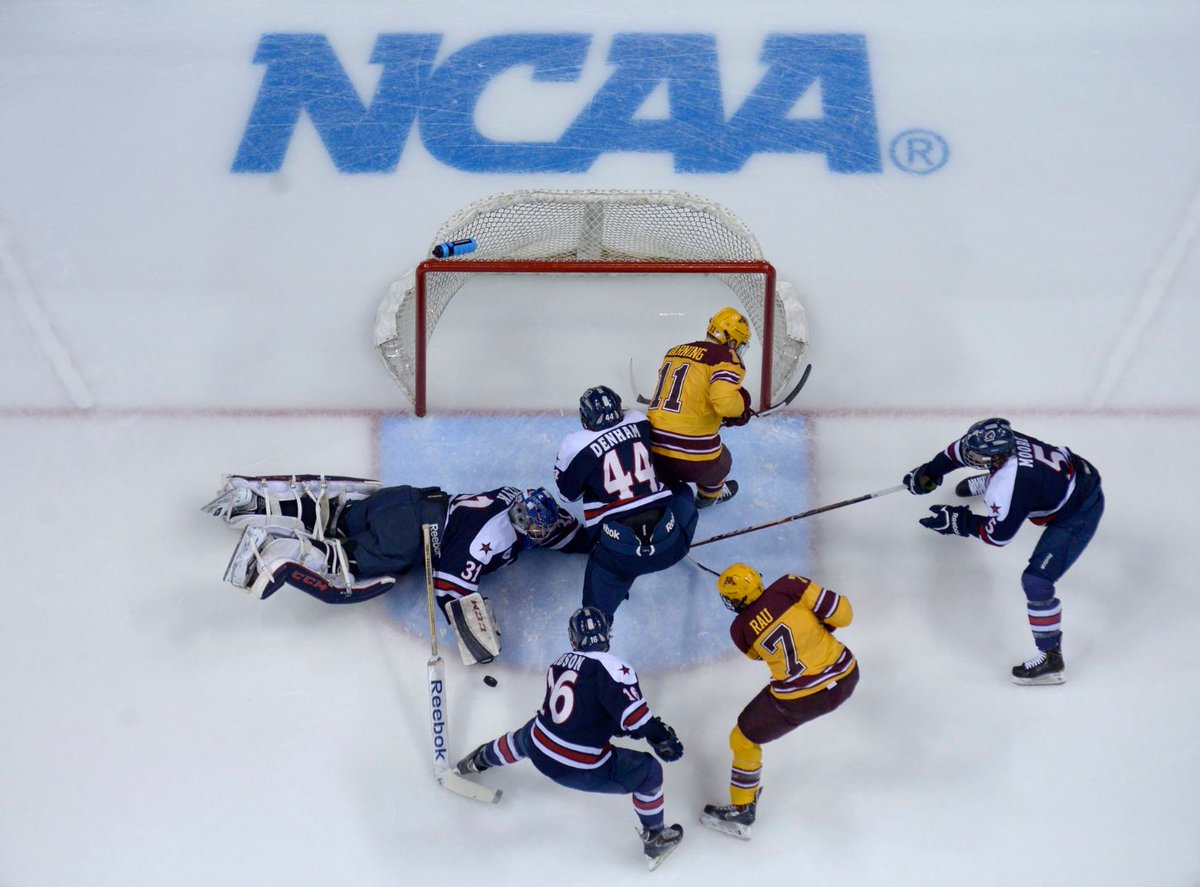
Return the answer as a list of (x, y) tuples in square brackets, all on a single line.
[(473, 265)]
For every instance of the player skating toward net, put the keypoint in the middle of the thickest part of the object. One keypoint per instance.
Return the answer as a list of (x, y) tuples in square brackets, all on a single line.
[(639, 524), (789, 626), (591, 697), (1026, 479), (346, 540), (699, 390)]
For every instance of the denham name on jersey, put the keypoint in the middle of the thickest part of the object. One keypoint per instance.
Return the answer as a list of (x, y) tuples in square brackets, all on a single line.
[(590, 697), (611, 470)]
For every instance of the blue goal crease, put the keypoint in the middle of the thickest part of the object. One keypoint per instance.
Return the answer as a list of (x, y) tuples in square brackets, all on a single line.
[(673, 618)]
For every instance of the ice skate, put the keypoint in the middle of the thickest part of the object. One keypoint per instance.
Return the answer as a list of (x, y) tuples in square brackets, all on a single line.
[(244, 564), (730, 819), (1045, 668), (240, 500), (475, 762), (972, 486), (727, 492), (658, 845)]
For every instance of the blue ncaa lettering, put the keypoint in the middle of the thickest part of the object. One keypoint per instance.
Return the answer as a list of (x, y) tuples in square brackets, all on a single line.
[(304, 75)]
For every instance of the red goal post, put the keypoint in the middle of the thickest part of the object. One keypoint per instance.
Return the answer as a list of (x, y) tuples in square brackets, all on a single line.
[(593, 232)]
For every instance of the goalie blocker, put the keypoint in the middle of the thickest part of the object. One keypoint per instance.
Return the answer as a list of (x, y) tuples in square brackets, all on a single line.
[(475, 629)]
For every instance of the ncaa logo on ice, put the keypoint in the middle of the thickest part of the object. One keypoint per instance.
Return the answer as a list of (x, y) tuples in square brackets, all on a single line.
[(417, 96)]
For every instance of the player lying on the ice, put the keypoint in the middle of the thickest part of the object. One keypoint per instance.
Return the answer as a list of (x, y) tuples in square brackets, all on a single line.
[(346, 539)]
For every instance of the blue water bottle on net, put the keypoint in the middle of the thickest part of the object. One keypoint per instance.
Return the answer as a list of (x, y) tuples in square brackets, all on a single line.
[(454, 248)]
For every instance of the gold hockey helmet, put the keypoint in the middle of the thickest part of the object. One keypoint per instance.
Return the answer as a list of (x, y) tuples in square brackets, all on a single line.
[(740, 585), (730, 327)]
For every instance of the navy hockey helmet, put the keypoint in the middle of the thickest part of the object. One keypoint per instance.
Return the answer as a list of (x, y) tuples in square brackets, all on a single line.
[(600, 408), (588, 628), (988, 443), (534, 514)]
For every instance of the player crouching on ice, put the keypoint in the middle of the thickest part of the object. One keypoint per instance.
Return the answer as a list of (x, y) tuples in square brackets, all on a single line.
[(1026, 479), (700, 391), (789, 626), (593, 696), (344, 540)]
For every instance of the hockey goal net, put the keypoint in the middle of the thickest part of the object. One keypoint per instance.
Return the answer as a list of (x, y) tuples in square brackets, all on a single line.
[(590, 232)]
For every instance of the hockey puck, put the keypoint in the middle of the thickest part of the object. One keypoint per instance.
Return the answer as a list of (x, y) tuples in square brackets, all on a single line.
[(489, 680)]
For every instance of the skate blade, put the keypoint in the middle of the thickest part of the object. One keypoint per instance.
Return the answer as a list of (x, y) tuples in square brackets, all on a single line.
[(1042, 680), (654, 862), (733, 829)]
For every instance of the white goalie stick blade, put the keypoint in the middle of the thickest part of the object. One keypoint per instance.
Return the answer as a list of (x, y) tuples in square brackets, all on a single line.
[(473, 790)]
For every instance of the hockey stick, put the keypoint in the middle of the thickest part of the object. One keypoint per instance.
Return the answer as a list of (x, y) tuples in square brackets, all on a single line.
[(809, 513), (790, 397), (446, 777), (702, 567)]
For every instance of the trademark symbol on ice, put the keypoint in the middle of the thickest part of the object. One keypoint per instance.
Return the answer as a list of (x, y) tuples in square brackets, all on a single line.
[(919, 151)]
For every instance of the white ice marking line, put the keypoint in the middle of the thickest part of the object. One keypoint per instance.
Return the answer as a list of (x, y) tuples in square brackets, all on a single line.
[(1149, 301), (48, 342)]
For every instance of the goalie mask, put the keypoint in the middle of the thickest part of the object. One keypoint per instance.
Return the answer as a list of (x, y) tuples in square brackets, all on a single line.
[(987, 444), (534, 514), (600, 408), (729, 327), (740, 585)]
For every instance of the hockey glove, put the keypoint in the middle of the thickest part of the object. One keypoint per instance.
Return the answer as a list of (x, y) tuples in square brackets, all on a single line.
[(922, 479), (949, 520), (744, 417), (663, 740)]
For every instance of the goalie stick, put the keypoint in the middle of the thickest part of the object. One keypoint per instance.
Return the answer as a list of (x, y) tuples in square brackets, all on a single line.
[(791, 395), (792, 517), (440, 748)]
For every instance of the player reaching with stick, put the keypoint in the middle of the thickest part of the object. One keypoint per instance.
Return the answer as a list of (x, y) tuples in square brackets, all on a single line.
[(1026, 479)]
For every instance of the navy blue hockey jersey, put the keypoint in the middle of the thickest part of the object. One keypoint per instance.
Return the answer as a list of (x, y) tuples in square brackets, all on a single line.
[(1037, 482), (590, 697), (611, 470), (478, 538)]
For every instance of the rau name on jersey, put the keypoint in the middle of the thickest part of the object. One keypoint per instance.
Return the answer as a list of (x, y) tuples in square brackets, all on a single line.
[(447, 100)]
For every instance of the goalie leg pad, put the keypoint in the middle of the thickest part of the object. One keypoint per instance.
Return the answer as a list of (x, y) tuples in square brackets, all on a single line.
[(313, 501), (475, 628)]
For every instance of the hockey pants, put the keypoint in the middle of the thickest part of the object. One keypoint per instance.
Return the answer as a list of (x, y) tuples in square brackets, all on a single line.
[(1059, 547), (626, 772)]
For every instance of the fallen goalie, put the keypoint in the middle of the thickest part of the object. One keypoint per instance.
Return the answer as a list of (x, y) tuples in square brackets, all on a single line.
[(344, 540)]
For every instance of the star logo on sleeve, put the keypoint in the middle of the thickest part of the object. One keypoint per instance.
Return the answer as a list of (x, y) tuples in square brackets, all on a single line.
[(486, 548), (995, 509), (624, 669)]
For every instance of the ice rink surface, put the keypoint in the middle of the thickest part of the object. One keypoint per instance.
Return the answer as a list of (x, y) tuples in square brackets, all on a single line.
[(166, 321)]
